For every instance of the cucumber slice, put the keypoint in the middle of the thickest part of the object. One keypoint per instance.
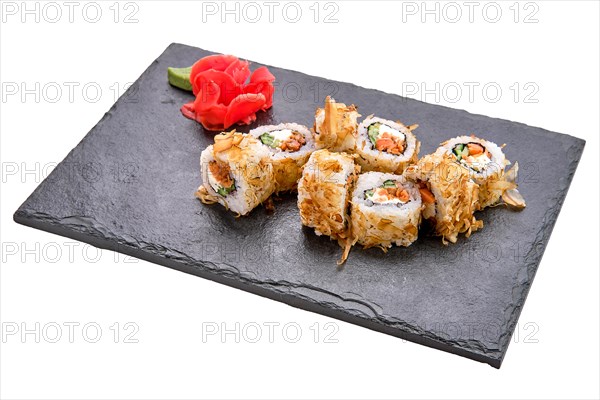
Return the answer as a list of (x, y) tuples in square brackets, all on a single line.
[(465, 152), (373, 132), (388, 184), (225, 191), (269, 140), (458, 148)]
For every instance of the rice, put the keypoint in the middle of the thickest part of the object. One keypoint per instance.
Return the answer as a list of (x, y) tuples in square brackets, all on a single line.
[(384, 224), (335, 126), (287, 164), (324, 194), (456, 195), (487, 171), (245, 161), (372, 159)]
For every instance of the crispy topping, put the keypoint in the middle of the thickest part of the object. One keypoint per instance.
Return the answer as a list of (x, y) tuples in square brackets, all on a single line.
[(335, 125), (513, 198), (224, 141)]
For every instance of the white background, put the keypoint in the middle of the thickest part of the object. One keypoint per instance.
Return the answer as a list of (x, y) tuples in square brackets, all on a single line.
[(558, 54)]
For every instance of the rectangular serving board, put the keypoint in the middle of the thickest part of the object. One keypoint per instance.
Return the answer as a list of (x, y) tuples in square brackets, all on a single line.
[(129, 185)]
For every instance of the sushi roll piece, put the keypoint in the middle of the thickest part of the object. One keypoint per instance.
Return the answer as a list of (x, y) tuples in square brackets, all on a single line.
[(324, 192), (386, 146), (289, 146), (448, 194), (336, 126), (386, 210), (486, 163), (236, 173)]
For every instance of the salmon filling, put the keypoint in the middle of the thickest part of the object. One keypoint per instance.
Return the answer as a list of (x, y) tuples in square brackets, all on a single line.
[(390, 192), (472, 155), (386, 138), (426, 196), (219, 178), (284, 139)]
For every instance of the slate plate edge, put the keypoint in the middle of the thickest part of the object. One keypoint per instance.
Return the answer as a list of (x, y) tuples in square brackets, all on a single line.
[(229, 275), (542, 236)]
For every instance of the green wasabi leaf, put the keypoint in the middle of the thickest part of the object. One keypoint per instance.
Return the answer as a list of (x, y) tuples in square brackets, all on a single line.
[(180, 77)]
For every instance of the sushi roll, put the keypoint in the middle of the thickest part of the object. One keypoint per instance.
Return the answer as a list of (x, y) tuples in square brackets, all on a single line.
[(485, 162), (236, 173), (448, 194), (324, 194), (289, 146), (386, 210), (386, 146), (336, 126)]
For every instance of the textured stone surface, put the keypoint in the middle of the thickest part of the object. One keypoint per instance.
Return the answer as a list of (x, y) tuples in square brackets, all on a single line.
[(128, 186)]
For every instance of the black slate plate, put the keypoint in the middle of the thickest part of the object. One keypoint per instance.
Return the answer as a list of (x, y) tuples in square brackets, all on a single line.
[(128, 186)]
